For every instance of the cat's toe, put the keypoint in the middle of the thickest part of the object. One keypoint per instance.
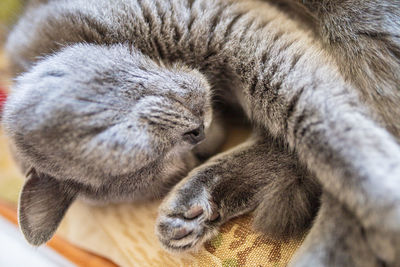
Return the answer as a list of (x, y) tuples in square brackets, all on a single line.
[(186, 223), (176, 234), (194, 212)]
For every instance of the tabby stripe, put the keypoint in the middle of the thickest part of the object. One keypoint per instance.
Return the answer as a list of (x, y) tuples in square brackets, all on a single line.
[(167, 120), (277, 35), (100, 30), (147, 22), (246, 30), (158, 124), (228, 30), (191, 2), (177, 30), (292, 106), (209, 54), (176, 116), (264, 57), (91, 114), (270, 73), (309, 127), (263, 25), (296, 57), (284, 47), (158, 47), (253, 84), (191, 21), (215, 21), (92, 131)]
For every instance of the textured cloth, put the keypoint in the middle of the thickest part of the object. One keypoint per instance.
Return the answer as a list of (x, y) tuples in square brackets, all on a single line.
[(125, 234)]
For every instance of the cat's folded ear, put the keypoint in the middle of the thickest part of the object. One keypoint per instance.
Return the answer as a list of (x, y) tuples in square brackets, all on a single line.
[(43, 203)]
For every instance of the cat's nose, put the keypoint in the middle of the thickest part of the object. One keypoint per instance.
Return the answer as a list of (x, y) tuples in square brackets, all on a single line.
[(195, 136)]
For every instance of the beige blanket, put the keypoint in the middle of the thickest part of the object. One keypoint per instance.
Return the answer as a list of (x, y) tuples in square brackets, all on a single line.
[(125, 234)]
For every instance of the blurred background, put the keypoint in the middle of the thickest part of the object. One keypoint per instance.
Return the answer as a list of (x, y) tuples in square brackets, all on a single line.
[(9, 10), (10, 178)]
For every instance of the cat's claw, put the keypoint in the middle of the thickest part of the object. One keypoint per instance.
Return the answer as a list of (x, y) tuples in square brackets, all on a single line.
[(186, 219)]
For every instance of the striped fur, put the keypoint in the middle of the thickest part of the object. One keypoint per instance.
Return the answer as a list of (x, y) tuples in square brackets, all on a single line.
[(318, 126)]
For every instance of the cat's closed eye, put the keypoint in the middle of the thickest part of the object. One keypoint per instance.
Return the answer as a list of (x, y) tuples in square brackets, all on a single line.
[(195, 136)]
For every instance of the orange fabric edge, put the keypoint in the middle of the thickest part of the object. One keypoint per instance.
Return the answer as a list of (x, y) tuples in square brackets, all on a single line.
[(76, 255)]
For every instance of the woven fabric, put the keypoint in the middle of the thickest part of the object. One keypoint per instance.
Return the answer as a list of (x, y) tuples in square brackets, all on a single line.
[(125, 234)]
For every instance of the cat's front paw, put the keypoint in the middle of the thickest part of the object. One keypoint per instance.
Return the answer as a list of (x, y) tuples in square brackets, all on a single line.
[(187, 218)]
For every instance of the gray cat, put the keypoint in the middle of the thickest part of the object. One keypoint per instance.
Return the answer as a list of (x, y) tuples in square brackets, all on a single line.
[(115, 94)]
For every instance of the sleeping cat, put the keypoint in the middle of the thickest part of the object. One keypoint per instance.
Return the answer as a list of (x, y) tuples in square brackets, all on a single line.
[(110, 91)]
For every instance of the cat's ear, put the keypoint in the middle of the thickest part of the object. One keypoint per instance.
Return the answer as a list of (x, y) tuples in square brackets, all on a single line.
[(43, 203)]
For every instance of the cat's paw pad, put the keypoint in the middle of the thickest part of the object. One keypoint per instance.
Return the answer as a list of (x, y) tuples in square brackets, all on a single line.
[(186, 220)]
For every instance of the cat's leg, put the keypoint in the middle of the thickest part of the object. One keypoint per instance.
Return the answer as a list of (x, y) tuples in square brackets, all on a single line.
[(303, 99), (349, 29), (336, 239), (354, 159), (233, 183)]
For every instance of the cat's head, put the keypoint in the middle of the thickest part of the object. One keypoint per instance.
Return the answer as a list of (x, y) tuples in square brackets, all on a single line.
[(104, 122)]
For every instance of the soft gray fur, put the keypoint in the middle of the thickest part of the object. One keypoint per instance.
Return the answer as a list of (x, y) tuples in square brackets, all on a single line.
[(322, 101)]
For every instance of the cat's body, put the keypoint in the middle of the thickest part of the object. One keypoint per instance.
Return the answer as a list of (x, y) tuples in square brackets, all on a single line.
[(363, 36), (255, 56)]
